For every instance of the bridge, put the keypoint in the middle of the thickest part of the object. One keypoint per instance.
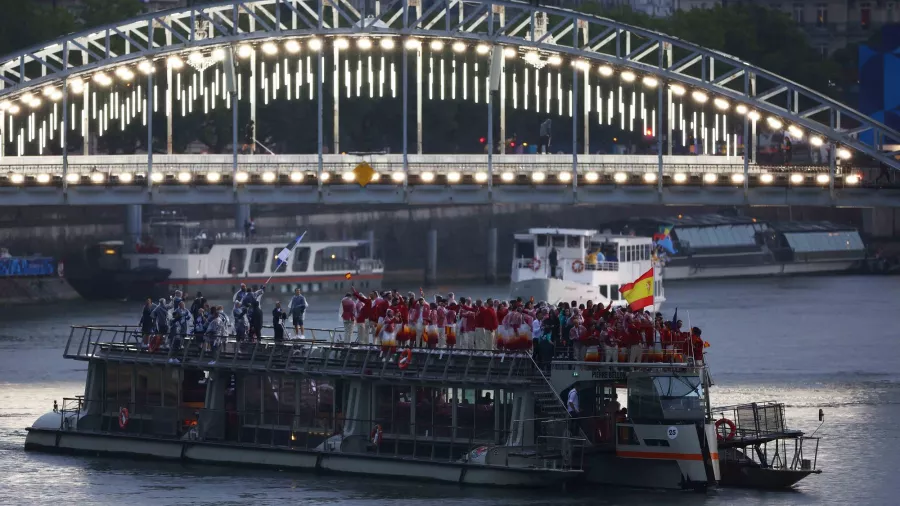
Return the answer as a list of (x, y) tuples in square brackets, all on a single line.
[(700, 116)]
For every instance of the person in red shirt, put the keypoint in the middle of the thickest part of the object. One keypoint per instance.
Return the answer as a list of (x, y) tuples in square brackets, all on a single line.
[(467, 322), (697, 346), (490, 324), (633, 339), (363, 310), (502, 311), (348, 316)]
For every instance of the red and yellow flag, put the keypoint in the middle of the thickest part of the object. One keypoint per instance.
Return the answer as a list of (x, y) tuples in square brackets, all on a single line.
[(639, 293)]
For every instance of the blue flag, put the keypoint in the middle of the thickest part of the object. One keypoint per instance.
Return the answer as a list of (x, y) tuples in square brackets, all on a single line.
[(666, 244)]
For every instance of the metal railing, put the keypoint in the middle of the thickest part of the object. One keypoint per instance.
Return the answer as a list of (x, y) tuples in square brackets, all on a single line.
[(602, 266)]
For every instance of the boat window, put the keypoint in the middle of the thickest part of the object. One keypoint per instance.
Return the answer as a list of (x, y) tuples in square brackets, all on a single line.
[(392, 408), (258, 259), (810, 242), (300, 262), (118, 386), (335, 258), (614, 292), (573, 241), (279, 402), (148, 392), (542, 240), (316, 404), (604, 290), (524, 249), (559, 241), (643, 401), (236, 260)]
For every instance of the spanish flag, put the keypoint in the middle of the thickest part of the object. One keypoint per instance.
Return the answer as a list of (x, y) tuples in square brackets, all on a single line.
[(639, 294)]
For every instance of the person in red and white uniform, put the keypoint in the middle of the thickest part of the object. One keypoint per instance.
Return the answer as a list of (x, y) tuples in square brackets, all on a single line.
[(440, 321), (490, 324), (348, 316), (466, 324), (363, 311)]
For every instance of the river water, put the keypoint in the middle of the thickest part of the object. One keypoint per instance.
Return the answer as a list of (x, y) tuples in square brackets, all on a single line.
[(817, 342)]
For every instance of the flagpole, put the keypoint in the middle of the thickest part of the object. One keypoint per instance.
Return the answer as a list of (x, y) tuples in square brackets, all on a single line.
[(289, 256)]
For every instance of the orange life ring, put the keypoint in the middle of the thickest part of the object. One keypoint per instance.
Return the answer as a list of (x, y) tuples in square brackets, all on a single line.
[(731, 429), (375, 435), (154, 343), (405, 358), (535, 264), (577, 266), (123, 418)]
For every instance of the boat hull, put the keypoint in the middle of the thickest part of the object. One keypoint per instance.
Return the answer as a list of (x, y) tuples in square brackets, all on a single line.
[(682, 272), (225, 288), (554, 291), (744, 476), (60, 441)]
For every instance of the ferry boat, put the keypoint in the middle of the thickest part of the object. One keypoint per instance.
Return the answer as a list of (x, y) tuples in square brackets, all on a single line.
[(589, 265), (184, 256), (717, 246), (447, 415)]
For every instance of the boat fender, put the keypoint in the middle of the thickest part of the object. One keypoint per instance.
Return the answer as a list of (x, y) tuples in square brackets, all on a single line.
[(535, 264), (375, 436), (577, 266), (123, 418), (405, 358), (725, 436)]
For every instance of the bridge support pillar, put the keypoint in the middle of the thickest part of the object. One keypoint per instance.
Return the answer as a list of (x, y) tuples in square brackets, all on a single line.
[(431, 259), (134, 222), (370, 238), (881, 221), (491, 277), (241, 216)]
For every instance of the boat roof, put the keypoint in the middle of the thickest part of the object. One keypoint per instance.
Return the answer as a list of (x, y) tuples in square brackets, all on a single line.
[(810, 226), (562, 231)]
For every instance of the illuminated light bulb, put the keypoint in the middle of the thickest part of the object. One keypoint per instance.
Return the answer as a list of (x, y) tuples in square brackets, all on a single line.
[(218, 54), (737, 178), (213, 177), (816, 141), (268, 177), (145, 67), (437, 45), (27, 98), (628, 76), (554, 60), (590, 177), (796, 178), (341, 43), (721, 104), (454, 177), (650, 177), (582, 65), (269, 48), (47, 91), (398, 177), (386, 43), (741, 109), (481, 177), (795, 131), (126, 177), (709, 177), (97, 177), (507, 177), (325, 177), (77, 86), (482, 49), (195, 57), (619, 177), (413, 44), (538, 177), (677, 89), (852, 179), (509, 52), (245, 50), (292, 46), (56, 96), (531, 57), (175, 62), (376, 177), (14, 109), (650, 82), (315, 44), (241, 177), (605, 70), (459, 47), (822, 179), (35, 103), (4, 105), (753, 115), (17, 178), (157, 177), (565, 177), (767, 178), (844, 154), (296, 177), (427, 177), (43, 178), (699, 96), (679, 177), (348, 177), (364, 44), (774, 122), (184, 177), (73, 178)]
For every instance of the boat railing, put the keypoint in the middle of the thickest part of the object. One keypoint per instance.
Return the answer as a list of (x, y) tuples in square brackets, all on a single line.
[(323, 354), (602, 266)]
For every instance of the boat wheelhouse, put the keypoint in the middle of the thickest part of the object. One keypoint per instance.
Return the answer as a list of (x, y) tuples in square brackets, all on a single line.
[(590, 265)]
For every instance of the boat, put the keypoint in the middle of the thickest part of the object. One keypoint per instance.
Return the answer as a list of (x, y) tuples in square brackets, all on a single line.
[(448, 415), (717, 246), (617, 260), (181, 255)]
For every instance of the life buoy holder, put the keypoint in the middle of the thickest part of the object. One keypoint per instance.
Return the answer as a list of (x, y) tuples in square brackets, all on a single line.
[(577, 266), (728, 436), (123, 418), (405, 359), (535, 264), (375, 435)]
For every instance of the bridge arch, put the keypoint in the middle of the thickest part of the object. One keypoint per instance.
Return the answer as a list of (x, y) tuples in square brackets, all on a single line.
[(602, 44)]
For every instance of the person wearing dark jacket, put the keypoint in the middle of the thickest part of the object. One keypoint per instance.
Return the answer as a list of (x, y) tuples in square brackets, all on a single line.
[(256, 320), (278, 317), (197, 304)]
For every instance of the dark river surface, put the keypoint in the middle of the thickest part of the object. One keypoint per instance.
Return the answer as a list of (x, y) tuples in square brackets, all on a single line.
[(820, 342)]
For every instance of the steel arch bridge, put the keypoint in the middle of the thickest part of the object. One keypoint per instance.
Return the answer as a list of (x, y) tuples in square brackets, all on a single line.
[(542, 35)]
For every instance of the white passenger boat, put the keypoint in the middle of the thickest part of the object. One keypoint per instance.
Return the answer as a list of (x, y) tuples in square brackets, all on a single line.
[(590, 266)]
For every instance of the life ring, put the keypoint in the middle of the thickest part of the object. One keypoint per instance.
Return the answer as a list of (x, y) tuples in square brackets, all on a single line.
[(535, 264), (405, 359), (155, 341), (375, 436), (577, 266), (123, 418), (731, 429)]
